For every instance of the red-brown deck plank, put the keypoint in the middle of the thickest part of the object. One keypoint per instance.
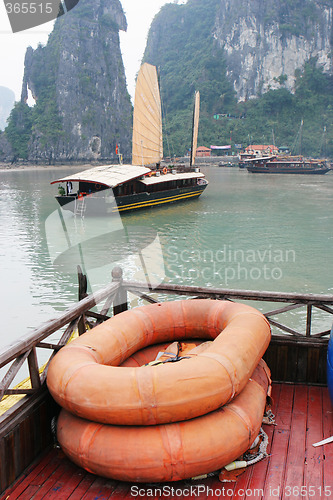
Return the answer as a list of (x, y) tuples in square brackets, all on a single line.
[(328, 448), (242, 485), (304, 415), (28, 478), (101, 489), (122, 490), (296, 451), (83, 487), (257, 480), (313, 471), (280, 443), (36, 483), (66, 484), (276, 468), (48, 485)]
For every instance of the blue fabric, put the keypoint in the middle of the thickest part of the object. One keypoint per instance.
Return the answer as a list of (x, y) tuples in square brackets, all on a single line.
[(330, 366)]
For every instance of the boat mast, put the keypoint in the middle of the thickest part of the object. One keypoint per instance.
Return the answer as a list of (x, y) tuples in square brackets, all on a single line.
[(298, 140), (323, 143)]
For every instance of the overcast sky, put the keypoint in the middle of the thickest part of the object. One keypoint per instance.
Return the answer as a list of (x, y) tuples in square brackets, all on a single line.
[(139, 14)]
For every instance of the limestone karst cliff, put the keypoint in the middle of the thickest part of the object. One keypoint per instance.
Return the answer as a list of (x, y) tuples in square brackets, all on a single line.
[(267, 41), (231, 50), (6, 153), (78, 82), (264, 42), (260, 65)]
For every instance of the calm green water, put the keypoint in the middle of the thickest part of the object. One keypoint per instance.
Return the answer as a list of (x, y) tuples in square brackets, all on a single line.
[(246, 231)]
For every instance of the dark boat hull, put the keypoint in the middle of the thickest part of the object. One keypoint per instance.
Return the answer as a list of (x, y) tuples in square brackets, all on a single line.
[(286, 170), (136, 201)]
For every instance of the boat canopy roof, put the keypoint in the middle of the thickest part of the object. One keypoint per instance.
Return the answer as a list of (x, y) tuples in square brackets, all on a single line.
[(157, 179), (259, 158), (108, 175)]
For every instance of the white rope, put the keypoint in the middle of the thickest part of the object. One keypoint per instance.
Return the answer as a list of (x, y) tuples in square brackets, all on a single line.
[(262, 453)]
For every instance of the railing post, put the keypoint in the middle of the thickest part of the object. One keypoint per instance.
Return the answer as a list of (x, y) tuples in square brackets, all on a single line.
[(82, 279), (82, 293), (120, 300), (308, 319), (33, 369)]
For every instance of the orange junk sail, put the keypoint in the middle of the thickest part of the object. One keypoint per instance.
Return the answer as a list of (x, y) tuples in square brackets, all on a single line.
[(147, 142), (85, 377), (195, 127), (168, 452)]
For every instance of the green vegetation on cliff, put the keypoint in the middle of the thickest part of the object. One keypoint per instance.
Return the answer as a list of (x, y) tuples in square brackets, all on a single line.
[(42, 119), (188, 61), (181, 43), (277, 115), (18, 131), (83, 109), (82, 106), (46, 118)]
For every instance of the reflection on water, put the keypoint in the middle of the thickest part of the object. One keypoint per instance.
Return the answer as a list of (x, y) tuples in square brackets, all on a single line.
[(246, 231), (98, 244)]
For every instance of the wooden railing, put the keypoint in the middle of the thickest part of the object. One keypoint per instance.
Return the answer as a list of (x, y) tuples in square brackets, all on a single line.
[(115, 295), (74, 318), (293, 300)]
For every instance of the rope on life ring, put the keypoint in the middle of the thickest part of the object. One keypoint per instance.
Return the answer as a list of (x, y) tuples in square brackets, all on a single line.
[(165, 170)]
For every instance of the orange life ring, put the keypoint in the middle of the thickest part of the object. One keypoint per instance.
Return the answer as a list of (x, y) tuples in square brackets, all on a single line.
[(165, 170), (169, 452), (86, 379)]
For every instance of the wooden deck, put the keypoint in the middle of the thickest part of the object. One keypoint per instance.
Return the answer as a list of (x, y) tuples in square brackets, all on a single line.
[(294, 468)]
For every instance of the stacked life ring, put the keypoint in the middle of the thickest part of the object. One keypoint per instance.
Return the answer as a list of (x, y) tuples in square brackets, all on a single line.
[(164, 421)]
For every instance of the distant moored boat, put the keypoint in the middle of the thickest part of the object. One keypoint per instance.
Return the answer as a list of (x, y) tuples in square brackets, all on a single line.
[(287, 165)]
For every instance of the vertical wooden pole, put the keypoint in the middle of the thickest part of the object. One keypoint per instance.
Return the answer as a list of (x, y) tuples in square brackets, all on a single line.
[(82, 279), (308, 319), (81, 326), (33, 369), (120, 300)]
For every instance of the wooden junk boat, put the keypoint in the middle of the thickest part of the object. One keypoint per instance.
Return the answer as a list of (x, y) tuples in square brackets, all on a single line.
[(147, 182), (288, 165), (33, 466)]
